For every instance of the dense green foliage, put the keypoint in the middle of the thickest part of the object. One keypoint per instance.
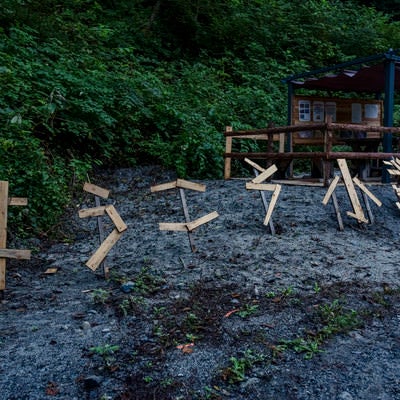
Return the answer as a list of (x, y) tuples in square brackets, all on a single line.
[(86, 83)]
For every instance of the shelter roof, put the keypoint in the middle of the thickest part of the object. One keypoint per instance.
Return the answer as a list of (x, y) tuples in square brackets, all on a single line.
[(360, 75)]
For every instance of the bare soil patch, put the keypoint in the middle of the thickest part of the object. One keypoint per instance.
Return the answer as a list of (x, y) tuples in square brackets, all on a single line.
[(309, 313)]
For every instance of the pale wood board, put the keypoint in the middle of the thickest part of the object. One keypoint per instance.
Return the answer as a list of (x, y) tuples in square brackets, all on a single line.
[(254, 165), (358, 211), (397, 204), (173, 226), (96, 190), (228, 149), (260, 186), (50, 271), (116, 218), (17, 201), (367, 192), (184, 184), (330, 190), (3, 230), (265, 174), (16, 254), (163, 186), (357, 217), (203, 220), (100, 254), (92, 212), (272, 203)]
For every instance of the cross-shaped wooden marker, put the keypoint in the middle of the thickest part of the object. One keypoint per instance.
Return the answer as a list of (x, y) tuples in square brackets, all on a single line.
[(5, 253), (188, 226), (106, 244)]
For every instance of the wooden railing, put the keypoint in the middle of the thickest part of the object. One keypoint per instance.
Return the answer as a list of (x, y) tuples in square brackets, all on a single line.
[(282, 142)]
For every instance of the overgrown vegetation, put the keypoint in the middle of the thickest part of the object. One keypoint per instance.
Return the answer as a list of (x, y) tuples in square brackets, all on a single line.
[(108, 83)]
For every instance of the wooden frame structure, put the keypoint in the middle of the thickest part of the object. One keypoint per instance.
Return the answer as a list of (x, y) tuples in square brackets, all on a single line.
[(350, 183), (5, 253), (106, 244), (188, 226), (330, 135)]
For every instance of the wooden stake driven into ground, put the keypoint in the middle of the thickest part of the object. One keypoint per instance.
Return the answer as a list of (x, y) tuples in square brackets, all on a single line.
[(187, 226), (106, 245), (5, 201), (349, 182), (256, 184), (393, 167)]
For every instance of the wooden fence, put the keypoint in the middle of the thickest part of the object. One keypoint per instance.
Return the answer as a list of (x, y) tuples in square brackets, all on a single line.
[(283, 141)]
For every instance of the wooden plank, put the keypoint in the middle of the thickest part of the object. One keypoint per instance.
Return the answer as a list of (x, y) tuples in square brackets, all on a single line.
[(272, 203), (116, 218), (187, 218), (96, 190), (17, 201), (100, 254), (228, 149), (92, 212), (367, 192), (393, 171), (397, 204), (337, 211), (358, 211), (173, 226), (163, 186), (357, 217), (182, 183), (265, 174), (3, 230), (16, 254), (203, 220), (254, 165), (330, 190), (264, 200), (260, 186)]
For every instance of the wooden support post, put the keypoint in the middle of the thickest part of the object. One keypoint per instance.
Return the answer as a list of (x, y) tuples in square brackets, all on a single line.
[(228, 149), (358, 211), (106, 244), (3, 230), (5, 201), (187, 218), (337, 210)]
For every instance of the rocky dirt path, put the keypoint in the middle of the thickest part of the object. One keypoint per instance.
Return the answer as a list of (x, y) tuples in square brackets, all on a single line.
[(310, 313)]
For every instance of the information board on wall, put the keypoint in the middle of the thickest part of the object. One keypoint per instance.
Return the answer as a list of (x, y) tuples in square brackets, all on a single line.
[(308, 109)]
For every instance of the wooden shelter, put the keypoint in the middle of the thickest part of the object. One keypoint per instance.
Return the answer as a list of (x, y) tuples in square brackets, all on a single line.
[(353, 107), (374, 79)]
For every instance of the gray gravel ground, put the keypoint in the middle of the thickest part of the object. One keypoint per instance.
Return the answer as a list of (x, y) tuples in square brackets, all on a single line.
[(315, 311)]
